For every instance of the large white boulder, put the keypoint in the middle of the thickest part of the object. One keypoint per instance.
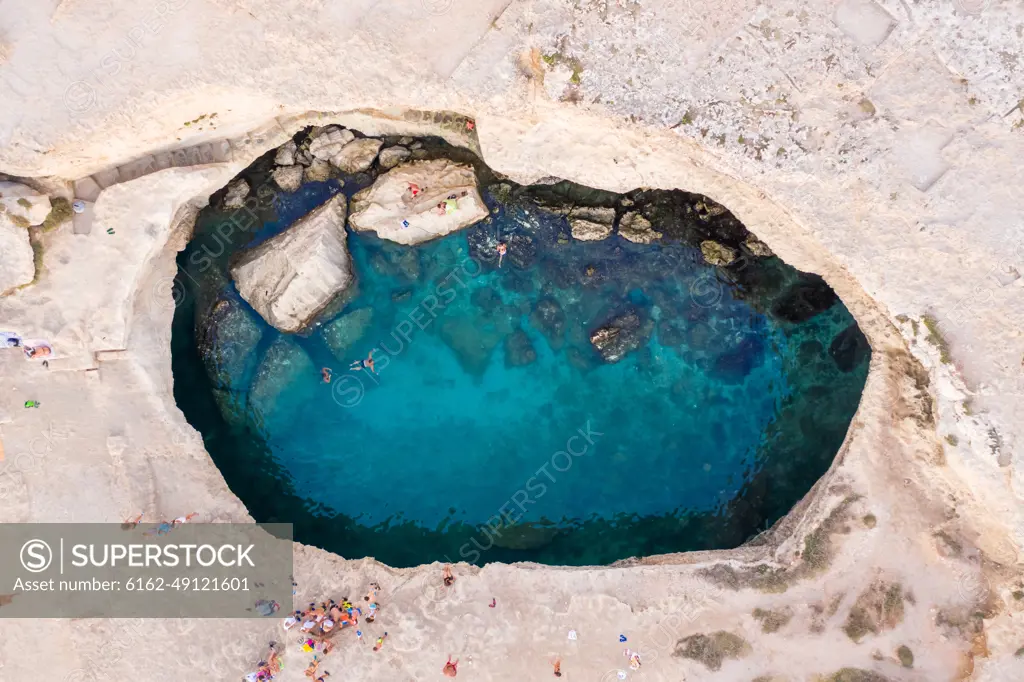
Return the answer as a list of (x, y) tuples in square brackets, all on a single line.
[(328, 143), (357, 156), (21, 205), (291, 277), (403, 204), (16, 264)]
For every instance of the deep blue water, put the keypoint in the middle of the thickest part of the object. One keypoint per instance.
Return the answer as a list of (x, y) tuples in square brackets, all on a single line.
[(492, 430)]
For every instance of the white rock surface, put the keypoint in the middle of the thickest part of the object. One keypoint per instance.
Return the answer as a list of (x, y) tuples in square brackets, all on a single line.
[(21, 205), (16, 264), (357, 156), (384, 206), (285, 155), (392, 156), (329, 142), (294, 275)]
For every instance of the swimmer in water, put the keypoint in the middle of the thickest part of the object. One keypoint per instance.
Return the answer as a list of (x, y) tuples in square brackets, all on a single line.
[(325, 373), (367, 363), (447, 576), (502, 250)]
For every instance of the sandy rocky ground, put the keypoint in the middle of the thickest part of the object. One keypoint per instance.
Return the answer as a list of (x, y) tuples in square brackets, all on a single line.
[(876, 142)]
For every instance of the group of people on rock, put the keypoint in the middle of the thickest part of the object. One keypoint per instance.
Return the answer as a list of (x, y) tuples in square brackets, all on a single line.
[(319, 623)]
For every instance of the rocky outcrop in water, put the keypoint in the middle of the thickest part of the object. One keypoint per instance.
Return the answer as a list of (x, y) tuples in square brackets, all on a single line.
[(637, 229), (227, 338), (392, 156), (591, 223), (236, 193), (357, 156), (293, 276), (318, 171), (717, 254), (621, 335), (288, 178), (419, 201)]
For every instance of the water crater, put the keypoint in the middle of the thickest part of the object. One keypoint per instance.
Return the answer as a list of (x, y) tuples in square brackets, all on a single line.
[(639, 375)]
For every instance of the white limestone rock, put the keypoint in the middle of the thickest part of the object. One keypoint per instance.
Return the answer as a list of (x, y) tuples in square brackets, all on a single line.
[(329, 142), (236, 194), (391, 209), (16, 264), (392, 156), (288, 178), (286, 154), (21, 205), (357, 156), (291, 277)]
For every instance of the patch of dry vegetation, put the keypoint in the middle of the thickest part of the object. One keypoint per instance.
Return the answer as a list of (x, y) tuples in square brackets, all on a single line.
[(773, 621), (713, 649), (880, 607)]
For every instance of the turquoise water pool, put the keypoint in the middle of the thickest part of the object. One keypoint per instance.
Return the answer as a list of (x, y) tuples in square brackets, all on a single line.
[(492, 430)]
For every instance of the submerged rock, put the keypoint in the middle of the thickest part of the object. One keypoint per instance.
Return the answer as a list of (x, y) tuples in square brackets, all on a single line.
[(413, 202), (227, 339), (471, 343), (343, 333), (637, 229), (392, 156), (357, 156), (293, 276), (849, 349), (288, 178), (284, 363), (232, 405), (549, 319), (519, 350), (522, 251), (524, 536), (804, 299), (717, 254), (328, 143), (621, 335), (236, 194), (739, 360)]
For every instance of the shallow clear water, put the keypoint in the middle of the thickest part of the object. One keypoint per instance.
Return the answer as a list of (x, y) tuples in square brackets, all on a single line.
[(491, 432)]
